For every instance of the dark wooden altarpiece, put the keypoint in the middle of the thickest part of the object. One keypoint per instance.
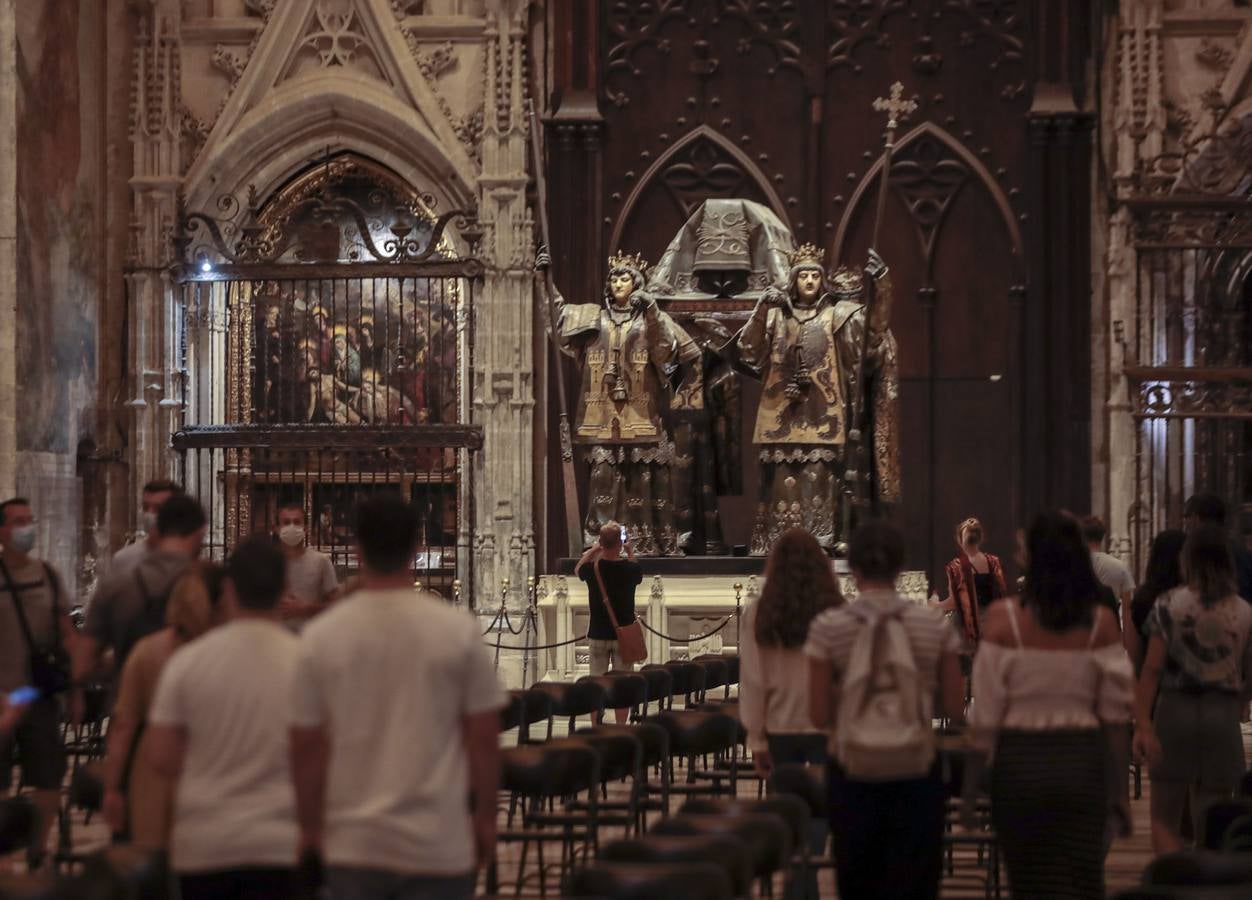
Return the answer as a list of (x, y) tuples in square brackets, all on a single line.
[(655, 106)]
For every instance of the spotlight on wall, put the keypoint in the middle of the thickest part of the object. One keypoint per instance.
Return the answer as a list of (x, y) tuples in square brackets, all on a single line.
[(206, 266)]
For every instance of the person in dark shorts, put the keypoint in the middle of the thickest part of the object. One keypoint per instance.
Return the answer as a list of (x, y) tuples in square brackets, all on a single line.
[(33, 610), (621, 577)]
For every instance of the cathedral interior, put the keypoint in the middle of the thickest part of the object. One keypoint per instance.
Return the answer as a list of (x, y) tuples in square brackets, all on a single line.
[(285, 251), (307, 251)]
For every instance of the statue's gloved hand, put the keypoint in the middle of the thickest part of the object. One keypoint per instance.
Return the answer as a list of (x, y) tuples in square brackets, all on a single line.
[(543, 259), (875, 265), (773, 296), (641, 301)]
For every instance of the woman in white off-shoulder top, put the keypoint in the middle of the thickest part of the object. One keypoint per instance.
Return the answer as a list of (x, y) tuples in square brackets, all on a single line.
[(1052, 689)]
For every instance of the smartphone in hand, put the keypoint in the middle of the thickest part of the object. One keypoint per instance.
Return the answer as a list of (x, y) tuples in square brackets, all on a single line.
[(23, 695)]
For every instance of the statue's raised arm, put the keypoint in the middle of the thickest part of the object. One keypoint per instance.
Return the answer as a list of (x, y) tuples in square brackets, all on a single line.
[(803, 340), (631, 357)]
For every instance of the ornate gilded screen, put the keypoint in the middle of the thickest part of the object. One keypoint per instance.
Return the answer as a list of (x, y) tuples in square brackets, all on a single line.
[(326, 336)]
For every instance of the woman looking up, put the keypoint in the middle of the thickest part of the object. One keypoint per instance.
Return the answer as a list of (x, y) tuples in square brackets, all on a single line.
[(975, 580)]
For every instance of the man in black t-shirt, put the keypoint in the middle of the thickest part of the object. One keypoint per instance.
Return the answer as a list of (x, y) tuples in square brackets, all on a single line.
[(621, 577)]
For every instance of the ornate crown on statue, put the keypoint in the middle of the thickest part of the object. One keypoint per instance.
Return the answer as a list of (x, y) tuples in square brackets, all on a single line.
[(620, 260), (846, 282), (806, 255)]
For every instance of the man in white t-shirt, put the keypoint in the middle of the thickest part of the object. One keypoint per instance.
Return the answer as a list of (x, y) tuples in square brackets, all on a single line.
[(218, 723), (395, 730), (311, 578), (1109, 570)]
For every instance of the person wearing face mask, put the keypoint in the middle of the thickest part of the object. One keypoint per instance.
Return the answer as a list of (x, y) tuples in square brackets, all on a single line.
[(130, 604), (311, 578), (153, 495), (33, 616)]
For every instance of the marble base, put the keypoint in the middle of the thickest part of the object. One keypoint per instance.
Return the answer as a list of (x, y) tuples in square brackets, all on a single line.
[(681, 606)]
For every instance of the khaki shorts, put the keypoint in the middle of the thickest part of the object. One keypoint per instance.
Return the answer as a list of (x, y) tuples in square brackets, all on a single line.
[(602, 654)]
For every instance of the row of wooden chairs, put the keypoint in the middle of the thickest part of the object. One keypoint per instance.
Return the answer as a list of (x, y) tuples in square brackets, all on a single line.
[(557, 788)]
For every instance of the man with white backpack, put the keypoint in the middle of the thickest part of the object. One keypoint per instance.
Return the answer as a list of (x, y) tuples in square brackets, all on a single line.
[(874, 668)]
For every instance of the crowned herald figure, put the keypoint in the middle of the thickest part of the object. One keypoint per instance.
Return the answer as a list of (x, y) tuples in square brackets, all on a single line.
[(636, 362), (805, 342)]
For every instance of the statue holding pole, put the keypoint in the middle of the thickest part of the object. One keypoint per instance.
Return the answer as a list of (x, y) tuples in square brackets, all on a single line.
[(826, 427)]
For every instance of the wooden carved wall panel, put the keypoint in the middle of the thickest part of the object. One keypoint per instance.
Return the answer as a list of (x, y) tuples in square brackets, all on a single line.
[(951, 232), (773, 101), (688, 69)]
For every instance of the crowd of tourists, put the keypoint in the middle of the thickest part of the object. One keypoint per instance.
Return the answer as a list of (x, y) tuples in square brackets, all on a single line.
[(271, 728), (1058, 681), (265, 734)]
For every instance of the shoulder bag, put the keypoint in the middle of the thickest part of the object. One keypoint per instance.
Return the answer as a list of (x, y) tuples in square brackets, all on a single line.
[(49, 666), (631, 647)]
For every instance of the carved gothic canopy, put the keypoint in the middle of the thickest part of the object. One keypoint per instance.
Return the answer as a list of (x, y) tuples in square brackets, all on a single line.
[(344, 209)]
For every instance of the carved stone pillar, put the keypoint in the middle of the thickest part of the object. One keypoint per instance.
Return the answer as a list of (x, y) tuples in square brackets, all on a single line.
[(503, 398), (155, 139), (1120, 425)]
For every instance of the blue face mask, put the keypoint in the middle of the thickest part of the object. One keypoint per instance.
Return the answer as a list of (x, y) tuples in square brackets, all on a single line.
[(22, 538)]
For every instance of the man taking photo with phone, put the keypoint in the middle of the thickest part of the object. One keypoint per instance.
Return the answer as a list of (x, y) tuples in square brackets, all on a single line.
[(620, 578)]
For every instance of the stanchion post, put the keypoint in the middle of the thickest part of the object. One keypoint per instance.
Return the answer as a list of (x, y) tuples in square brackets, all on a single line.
[(504, 598), (530, 628), (738, 611)]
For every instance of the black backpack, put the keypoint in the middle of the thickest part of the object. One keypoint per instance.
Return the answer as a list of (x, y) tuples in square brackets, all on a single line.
[(149, 620)]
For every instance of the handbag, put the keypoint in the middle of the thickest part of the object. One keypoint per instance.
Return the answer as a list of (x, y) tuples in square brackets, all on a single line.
[(631, 647), (49, 666)]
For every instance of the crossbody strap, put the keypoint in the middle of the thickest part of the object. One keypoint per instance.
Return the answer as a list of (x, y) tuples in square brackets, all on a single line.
[(604, 595), (16, 592)]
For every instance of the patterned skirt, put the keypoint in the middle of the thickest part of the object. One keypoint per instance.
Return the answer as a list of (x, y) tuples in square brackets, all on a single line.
[(1049, 805)]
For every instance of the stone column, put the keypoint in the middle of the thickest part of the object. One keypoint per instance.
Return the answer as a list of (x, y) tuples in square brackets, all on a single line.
[(8, 247), (151, 396), (502, 389)]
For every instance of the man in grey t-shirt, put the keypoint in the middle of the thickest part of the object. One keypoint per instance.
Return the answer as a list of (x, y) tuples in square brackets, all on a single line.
[(311, 579), (154, 494)]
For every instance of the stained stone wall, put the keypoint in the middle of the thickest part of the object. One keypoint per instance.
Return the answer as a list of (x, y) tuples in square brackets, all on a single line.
[(1173, 72), (54, 134)]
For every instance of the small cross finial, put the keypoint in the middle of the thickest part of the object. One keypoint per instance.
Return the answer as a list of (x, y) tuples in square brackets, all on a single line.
[(895, 106)]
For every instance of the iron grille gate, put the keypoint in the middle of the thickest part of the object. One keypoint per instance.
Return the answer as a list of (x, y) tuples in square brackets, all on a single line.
[(1191, 343), (324, 356)]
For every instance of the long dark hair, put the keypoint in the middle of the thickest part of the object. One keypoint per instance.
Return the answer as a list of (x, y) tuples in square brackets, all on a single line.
[(1061, 587), (1164, 572), (1207, 565), (799, 584)]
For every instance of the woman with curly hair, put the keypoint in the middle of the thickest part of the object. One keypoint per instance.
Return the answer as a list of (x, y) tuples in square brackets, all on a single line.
[(773, 689)]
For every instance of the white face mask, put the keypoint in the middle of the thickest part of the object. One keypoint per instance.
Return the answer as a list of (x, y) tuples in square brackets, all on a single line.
[(291, 535), (22, 538), (148, 519)]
